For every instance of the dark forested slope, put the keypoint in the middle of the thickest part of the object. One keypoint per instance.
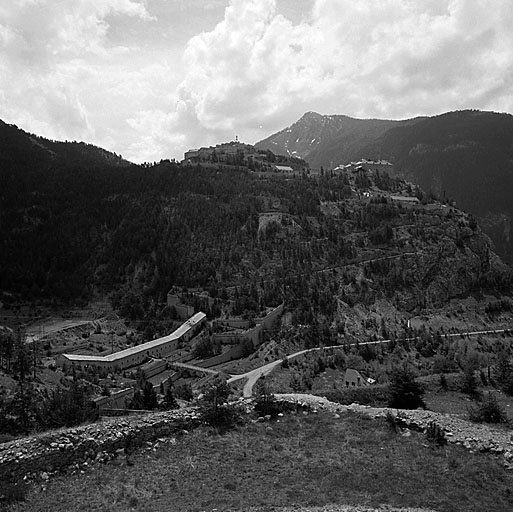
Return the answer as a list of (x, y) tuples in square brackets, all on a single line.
[(467, 156), (325, 244)]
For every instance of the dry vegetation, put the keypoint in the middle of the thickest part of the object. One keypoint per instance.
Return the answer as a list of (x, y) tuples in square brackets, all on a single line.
[(303, 460)]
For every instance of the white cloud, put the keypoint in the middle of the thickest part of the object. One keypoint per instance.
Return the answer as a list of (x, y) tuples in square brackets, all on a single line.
[(386, 58), (110, 71), (56, 61)]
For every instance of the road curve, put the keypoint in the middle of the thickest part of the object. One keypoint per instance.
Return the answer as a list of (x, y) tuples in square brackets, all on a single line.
[(253, 375)]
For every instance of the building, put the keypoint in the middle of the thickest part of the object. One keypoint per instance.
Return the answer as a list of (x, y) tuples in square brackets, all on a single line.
[(133, 356), (353, 378), (409, 200), (284, 169), (222, 153), (182, 310), (370, 165)]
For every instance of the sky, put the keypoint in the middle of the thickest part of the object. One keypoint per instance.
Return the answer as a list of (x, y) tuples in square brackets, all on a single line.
[(149, 79)]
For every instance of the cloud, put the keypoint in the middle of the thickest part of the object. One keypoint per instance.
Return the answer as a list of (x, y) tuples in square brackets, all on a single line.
[(127, 75), (385, 58), (55, 57)]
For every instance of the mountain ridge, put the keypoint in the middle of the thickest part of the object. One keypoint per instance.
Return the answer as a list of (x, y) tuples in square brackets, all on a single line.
[(466, 155)]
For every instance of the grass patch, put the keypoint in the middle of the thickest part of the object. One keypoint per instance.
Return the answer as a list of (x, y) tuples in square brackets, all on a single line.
[(376, 396), (302, 460)]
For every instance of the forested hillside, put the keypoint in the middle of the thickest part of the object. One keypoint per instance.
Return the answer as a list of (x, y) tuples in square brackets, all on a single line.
[(464, 155), (323, 244), (467, 156)]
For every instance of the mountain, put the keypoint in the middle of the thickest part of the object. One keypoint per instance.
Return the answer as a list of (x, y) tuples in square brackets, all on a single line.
[(465, 155), (327, 140), (133, 232), (21, 149)]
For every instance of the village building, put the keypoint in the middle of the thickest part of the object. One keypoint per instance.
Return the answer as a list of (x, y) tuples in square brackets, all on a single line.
[(183, 311), (284, 169), (408, 200), (353, 378)]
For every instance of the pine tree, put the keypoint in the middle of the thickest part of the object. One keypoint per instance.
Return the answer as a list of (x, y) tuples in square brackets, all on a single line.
[(405, 391)]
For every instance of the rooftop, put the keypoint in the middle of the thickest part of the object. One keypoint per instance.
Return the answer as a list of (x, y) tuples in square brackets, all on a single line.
[(185, 327)]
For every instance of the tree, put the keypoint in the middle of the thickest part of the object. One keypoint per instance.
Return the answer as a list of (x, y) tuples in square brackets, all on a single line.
[(7, 342), (25, 408), (150, 401), (214, 407), (22, 361), (265, 402), (184, 391), (469, 384), (70, 406), (504, 372), (169, 401), (405, 391)]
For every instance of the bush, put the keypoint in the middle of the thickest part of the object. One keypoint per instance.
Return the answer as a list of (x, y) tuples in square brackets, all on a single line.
[(215, 410), (405, 391), (376, 396), (12, 492), (393, 422), (436, 434), (265, 401), (488, 411)]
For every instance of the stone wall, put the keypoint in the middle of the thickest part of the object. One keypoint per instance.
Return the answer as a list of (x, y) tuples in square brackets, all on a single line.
[(101, 441)]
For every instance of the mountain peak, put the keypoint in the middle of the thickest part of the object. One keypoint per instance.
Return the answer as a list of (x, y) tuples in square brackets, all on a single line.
[(311, 115)]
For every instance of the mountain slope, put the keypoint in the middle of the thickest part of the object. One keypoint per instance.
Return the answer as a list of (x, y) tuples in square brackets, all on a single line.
[(21, 149), (466, 155), (327, 140)]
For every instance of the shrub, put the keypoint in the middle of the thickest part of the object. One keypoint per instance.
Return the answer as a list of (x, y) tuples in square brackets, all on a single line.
[(405, 391), (488, 411), (435, 434), (393, 422), (376, 396), (265, 402), (215, 410), (12, 492)]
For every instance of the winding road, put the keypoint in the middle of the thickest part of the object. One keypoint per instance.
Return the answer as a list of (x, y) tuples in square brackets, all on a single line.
[(253, 375)]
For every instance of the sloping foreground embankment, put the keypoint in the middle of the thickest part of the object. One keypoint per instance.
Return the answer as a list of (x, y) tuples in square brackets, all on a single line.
[(59, 449), (473, 436)]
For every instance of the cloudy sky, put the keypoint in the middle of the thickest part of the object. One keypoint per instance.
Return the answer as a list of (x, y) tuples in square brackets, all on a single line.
[(151, 78)]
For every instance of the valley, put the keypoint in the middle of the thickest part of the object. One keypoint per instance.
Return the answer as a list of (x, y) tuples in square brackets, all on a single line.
[(239, 274)]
